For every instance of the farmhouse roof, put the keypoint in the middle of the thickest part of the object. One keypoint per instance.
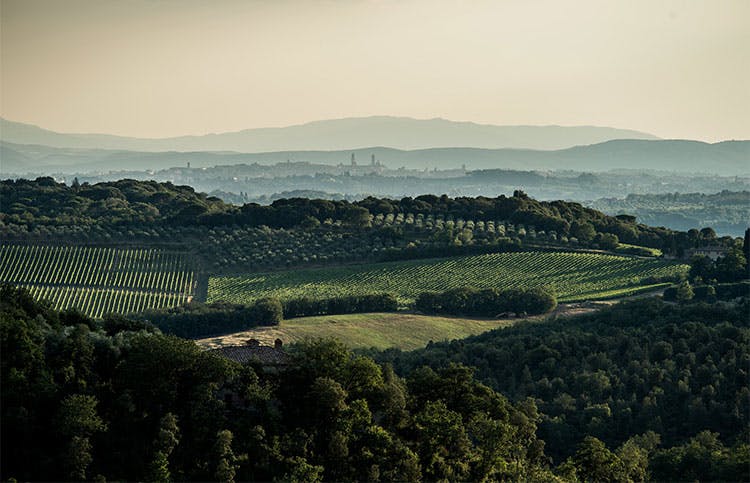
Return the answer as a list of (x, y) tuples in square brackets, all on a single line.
[(712, 248), (266, 355)]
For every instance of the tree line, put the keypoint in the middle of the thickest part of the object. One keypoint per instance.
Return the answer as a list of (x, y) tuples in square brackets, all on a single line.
[(32, 203), (351, 304), (488, 302), (196, 320)]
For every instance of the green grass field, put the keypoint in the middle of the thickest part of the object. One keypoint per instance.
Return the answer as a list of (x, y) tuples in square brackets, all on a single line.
[(575, 276), (401, 330), (99, 280)]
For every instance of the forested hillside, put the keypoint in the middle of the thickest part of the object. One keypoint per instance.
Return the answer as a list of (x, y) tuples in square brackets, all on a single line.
[(641, 367), (664, 386), (118, 400), (43, 207), (647, 389)]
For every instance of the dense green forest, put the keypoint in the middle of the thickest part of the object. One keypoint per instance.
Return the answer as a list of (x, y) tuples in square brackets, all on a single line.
[(123, 402), (645, 390), (641, 366)]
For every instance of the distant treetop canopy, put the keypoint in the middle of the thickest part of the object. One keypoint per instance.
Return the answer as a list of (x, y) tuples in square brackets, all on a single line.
[(148, 204)]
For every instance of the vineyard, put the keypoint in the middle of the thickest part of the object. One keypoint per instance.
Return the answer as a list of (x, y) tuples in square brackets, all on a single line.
[(574, 276), (99, 280)]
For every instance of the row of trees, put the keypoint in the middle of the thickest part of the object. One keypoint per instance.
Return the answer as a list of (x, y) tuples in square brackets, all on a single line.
[(488, 302), (147, 204), (350, 304), (196, 320), (707, 293)]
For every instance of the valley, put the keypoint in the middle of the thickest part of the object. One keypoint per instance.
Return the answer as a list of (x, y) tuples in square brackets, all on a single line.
[(374, 241)]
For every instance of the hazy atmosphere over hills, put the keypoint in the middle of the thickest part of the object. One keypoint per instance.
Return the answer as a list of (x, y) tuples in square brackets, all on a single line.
[(726, 158), (161, 68), (375, 240), (350, 133), (395, 142)]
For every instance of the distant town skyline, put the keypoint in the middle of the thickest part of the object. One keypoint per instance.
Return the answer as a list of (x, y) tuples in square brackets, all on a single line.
[(159, 68)]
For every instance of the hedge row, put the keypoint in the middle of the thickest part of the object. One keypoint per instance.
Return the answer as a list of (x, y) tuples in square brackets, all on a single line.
[(305, 306), (712, 293), (197, 320), (487, 302)]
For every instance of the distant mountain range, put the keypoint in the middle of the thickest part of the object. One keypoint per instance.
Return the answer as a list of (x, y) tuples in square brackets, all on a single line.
[(730, 158), (339, 134)]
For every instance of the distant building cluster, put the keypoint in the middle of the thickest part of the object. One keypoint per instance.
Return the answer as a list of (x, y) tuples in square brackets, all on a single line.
[(356, 169), (374, 163)]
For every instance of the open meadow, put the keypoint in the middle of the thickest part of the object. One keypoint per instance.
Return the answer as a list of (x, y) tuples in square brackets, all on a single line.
[(405, 331)]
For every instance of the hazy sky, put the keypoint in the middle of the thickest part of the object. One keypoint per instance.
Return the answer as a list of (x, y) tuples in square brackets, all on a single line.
[(675, 68)]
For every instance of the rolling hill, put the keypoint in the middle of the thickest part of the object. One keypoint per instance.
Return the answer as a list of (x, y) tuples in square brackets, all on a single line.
[(337, 134), (725, 158)]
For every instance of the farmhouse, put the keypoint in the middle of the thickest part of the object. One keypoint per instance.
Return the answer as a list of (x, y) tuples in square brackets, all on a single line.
[(712, 252), (252, 351)]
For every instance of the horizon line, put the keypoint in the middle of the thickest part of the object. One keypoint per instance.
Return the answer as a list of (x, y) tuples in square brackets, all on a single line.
[(315, 121)]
